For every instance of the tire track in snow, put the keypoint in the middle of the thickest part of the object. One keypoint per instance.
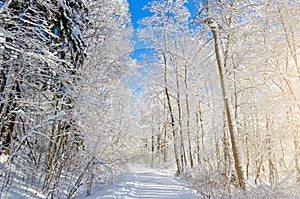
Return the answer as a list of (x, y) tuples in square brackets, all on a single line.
[(145, 183)]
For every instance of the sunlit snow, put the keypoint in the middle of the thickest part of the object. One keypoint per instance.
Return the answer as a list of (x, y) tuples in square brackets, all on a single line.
[(143, 182)]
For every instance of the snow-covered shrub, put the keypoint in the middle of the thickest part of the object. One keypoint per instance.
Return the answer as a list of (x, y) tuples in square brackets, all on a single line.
[(211, 182), (283, 191)]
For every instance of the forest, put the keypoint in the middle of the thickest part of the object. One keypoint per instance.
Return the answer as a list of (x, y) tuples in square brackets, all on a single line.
[(215, 95)]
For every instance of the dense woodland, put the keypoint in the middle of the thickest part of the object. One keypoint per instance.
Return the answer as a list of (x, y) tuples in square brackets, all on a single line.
[(219, 95)]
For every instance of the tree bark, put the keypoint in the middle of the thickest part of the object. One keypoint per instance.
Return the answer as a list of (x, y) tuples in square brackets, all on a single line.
[(182, 147), (179, 168), (228, 107), (188, 117)]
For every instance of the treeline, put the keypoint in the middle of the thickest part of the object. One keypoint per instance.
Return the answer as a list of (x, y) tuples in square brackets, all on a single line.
[(60, 65), (222, 96)]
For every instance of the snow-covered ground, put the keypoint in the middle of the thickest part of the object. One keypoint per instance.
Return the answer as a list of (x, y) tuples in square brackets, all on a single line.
[(17, 189), (143, 182)]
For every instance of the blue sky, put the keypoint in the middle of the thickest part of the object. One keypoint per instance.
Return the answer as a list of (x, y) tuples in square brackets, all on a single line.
[(137, 13), (135, 7)]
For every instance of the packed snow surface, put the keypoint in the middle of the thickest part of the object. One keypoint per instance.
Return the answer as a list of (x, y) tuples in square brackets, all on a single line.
[(144, 182)]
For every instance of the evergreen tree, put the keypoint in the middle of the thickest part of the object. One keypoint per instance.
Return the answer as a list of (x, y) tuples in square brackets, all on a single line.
[(42, 50)]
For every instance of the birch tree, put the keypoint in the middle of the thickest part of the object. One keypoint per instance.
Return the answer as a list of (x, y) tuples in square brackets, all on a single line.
[(247, 39), (163, 30)]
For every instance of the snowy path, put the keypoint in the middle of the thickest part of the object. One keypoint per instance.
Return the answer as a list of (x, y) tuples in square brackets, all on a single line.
[(148, 183)]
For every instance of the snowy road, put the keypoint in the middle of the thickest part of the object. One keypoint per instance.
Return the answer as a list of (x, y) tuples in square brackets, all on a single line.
[(148, 183)]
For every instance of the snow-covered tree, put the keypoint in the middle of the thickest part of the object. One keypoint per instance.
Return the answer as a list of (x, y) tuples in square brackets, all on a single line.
[(161, 31), (104, 99), (41, 52), (255, 45)]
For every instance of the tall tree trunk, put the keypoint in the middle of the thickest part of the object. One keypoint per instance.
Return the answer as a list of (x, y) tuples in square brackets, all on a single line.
[(152, 145), (198, 138), (8, 108), (227, 158), (182, 147), (165, 142), (296, 142), (165, 133), (247, 143), (200, 129), (188, 117), (272, 169), (228, 107), (177, 159), (159, 144)]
